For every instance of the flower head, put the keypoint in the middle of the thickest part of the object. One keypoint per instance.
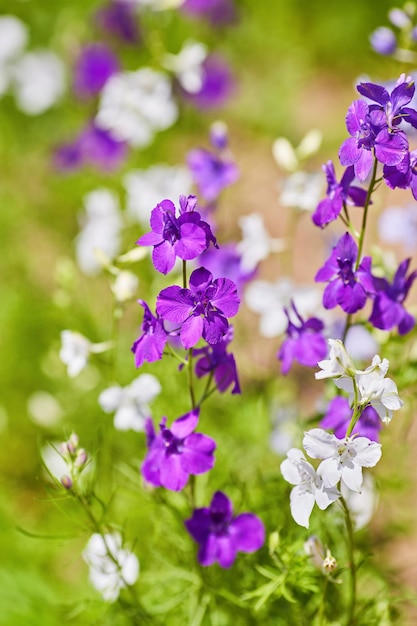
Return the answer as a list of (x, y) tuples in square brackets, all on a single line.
[(93, 68), (177, 452), (215, 360), (151, 343), (130, 404), (211, 172), (222, 535), (119, 19), (202, 310), (304, 343)]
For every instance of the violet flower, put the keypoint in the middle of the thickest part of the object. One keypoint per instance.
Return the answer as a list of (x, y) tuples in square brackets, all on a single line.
[(216, 361), (202, 310), (93, 68), (227, 262), (305, 342), (217, 12), (392, 105), (150, 345), (221, 535), (185, 236), (217, 84), (177, 452), (337, 194), (119, 19), (388, 310), (403, 175), (383, 41), (339, 414), (211, 172), (348, 288)]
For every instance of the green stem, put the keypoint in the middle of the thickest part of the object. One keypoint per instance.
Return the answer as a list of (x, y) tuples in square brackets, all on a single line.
[(365, 212), (351, 552), (322, 619), (356, 410), (190, 378)]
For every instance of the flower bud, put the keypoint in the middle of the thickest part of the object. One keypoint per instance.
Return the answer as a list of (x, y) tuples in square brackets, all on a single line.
[(329, 564), (66, 482), (81, 458)]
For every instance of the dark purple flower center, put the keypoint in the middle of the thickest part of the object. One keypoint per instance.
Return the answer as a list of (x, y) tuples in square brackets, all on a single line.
[(219, 525), (171, 231), (346, 272), (172, 444), (202, 301)]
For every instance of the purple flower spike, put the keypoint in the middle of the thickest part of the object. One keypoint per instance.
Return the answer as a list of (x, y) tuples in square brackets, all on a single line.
[(214, 359), (388, 310), (150, 345), (383, 41), (93, 68), (119, 19), (185, 236), (329, 209), (347, 288), (201, 310), (177, 452), (339, 414), (304, 343), (221, 535)]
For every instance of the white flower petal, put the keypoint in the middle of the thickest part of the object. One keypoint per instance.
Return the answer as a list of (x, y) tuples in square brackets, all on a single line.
[(301, 504), (319, 444)]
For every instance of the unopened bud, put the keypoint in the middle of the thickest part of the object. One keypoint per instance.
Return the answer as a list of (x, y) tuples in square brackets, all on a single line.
[(66, 482), (81, 458), (329, 563), (219, 135), (273, 542)]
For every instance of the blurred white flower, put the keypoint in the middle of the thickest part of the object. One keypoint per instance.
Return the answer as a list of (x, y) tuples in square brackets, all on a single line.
[(135, 105), (290, 158), (100, 230), (284, 430), (187, 65), (75, 351), (256, 244), (38, 81), (159, 5), (398, 225), (145, 188), (130, 403), (362, 504), (13, 37), (124, 286), (360, 343), (302, 191), (54, 463), (44, 409), (112, 568), (268, 299)]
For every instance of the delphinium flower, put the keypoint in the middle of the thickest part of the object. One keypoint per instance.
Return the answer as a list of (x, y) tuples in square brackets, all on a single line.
[(177, 452), (321, 559), (227, 261), (214, 360), (130, 404), (112, 567), (217, 12), (202, 310), (101, 226), (386, 42), (221, 535), (118, 18), (124, 285), (348, 287), (38, 81), (339, 413), (339, 365), (388, 311), (13, 39), (217, 84), (291, 158), (301, 190), (145, 188), (383, 40), (304, 343), (151, 343), (256, 243), (403, 175), (187, 65), (213, 171), (136, 105), (185, 236), (309, 487), (94, 66), (338, 193), (76, 349)]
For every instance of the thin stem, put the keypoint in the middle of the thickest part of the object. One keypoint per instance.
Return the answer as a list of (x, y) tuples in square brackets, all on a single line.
[(206, 393), (365, 212), (191, 378), (184, 274), (351, 552), (356, 410)]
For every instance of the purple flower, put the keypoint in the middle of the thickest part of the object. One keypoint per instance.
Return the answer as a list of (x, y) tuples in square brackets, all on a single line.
[(215, 11), (383, 40), (348, 288), (211, 172), (215, 360), (93, 68), (227, 262), (388, 310), (404, 175), (221, 535), (119, 19), (304, 343), (338, 193), (185, 236), (94, 146), (201, 310), (150, 345), (339, 414), (177, 452), (217, 84), (392, 105), (369, 131)]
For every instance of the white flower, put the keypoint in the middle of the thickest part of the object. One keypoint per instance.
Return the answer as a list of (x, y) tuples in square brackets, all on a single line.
[(112, 568), (361, 504), (288, 157), (135, 105), (343, 458), (101, 226), (75, 351), (187, 65), (125, 285), (38, 81), (309, 487), (339, 364), (130, 403), (398, 225), (257, 244), (302, 191), (375, 389), (13, 37), (268, 299), (145, 188), (44, 409)]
